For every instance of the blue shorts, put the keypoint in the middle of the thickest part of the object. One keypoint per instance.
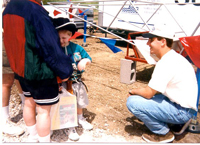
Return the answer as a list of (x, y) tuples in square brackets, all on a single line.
[(43, 92)]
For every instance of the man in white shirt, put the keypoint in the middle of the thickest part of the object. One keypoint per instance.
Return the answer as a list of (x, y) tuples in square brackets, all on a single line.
[(171, 95)]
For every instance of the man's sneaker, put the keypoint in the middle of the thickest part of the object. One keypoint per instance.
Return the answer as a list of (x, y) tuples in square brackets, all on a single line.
[(72, 134), (156, 138), (12, 129), (86, 125), (33, 139)]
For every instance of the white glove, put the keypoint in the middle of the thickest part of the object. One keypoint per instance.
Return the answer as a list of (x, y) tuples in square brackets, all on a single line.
[(82, 64)]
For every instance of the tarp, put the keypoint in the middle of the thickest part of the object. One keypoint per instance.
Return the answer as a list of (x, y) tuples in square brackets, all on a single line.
[(192, 47), (144, 50)]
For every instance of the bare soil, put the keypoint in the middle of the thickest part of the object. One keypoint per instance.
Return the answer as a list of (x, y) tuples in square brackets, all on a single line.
[(107, 109)]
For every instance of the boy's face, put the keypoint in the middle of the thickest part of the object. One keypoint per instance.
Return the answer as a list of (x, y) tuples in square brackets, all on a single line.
[(64, 37)]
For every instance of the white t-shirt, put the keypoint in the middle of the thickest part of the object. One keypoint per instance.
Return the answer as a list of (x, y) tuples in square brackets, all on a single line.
[(175, 78)]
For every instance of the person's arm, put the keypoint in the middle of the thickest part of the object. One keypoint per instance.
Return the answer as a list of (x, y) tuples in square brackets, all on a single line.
[(146, 92), (50, 48), (86, 59)]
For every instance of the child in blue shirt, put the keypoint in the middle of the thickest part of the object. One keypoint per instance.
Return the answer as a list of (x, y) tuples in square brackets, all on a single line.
[(80, 59)]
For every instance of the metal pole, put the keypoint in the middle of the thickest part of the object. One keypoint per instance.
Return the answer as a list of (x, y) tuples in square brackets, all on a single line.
[(152, 15), (85, 31), (196, 29), (175, 20), (139, 14), (194, 126), (116, 15)]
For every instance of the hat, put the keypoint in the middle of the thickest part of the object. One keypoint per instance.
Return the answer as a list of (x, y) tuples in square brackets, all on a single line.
[(161, 31), (64, 24)]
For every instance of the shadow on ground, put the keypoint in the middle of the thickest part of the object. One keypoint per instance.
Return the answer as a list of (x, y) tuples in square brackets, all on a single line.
[(144, 75)]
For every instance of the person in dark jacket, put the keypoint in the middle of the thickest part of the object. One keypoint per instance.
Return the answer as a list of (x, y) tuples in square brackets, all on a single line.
[(33, 49)]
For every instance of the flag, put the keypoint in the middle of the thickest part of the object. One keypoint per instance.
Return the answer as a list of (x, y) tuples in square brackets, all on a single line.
[(81, 13), (77, 34), (111, 44), (79, 10), (55, 12)]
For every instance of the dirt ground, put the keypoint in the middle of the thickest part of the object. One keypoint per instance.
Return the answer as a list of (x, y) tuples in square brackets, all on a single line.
[(107, 109)]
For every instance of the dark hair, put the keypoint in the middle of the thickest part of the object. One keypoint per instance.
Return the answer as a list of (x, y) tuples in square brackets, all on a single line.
[(169, 41)]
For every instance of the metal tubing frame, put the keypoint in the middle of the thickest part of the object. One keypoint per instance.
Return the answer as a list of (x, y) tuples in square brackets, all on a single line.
[(87, 1), (139, 15), (116, 15), (196, 29), (174, 19), (90, 7), (120, 19), (145, 23), (95, 25), (135, 57), (152, 15)]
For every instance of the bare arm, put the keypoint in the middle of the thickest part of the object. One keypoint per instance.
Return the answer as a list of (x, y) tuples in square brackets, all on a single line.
[(146, 92)]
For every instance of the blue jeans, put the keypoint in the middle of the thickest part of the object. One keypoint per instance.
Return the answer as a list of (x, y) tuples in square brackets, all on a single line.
[(157, 112)]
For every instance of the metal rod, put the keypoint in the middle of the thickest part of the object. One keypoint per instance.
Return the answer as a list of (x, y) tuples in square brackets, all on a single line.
[(139, 14), (116, 15), (196, 29), (85, 29), (174, 19), (152, 15)]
